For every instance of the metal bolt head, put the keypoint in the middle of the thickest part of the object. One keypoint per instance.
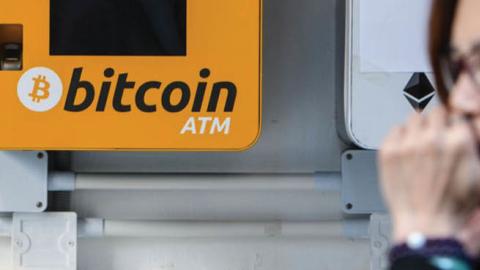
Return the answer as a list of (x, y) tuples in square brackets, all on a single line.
[(349, 206), (39, 205), (19, 243)]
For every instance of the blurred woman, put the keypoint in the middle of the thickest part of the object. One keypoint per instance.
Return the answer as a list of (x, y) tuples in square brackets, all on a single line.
[(430, 166)]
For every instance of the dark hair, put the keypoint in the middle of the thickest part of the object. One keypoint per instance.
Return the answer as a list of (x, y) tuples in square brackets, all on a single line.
[(441, 24)]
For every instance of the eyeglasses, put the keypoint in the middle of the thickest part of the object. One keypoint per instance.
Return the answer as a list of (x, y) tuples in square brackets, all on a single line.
[(453, 64)]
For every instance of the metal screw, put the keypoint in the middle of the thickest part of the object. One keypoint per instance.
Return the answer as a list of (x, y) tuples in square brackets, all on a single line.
[(40, 155), (71, 243), (39, 204), (349, 206), (19, 243), (349, 156)]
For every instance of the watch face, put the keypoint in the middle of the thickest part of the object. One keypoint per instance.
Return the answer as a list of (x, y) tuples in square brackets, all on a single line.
[(416, 240), (118, 27)]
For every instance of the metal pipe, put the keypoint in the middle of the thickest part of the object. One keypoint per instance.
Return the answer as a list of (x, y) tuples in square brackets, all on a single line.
[(211, 182), (89, 228), (222, 229), (61, 181), (95, 228)]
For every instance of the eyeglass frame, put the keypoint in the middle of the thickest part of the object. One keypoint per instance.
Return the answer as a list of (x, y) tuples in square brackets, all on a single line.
[(464, 62)]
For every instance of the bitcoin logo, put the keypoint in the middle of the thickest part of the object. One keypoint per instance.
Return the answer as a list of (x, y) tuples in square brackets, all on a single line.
[(40, 89)]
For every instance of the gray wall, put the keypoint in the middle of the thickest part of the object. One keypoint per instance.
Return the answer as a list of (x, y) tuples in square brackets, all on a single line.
[(303, 47)]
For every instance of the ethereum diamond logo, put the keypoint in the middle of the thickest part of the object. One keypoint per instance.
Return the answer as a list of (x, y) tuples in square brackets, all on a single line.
[(419, 91)]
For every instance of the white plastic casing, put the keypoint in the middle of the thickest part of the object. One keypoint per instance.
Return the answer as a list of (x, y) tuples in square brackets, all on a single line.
[(44, 241), (383, 51)]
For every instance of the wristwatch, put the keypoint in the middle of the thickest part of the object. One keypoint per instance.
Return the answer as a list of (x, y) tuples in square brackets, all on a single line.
[(442, 253)]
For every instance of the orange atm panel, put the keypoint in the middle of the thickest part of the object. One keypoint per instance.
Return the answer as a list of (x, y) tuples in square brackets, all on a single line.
[(130, 75)]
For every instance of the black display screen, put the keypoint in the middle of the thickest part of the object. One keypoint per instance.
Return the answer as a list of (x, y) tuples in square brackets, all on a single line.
[(118, 27)]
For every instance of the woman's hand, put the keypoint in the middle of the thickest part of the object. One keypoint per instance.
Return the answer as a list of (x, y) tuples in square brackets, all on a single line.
[(430, 175)]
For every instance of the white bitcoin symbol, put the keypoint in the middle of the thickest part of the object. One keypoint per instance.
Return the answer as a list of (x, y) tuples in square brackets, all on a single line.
[(40, 89)]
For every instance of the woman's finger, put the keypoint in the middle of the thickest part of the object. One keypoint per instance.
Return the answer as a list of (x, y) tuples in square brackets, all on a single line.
[(415, 122), (394, 137), (437, 120)]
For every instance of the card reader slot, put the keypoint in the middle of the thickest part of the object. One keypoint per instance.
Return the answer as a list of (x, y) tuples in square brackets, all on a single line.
[(11, 43)]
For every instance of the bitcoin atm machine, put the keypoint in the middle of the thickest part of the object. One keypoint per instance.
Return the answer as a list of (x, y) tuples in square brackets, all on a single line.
[(387, 78), (130, 75)]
